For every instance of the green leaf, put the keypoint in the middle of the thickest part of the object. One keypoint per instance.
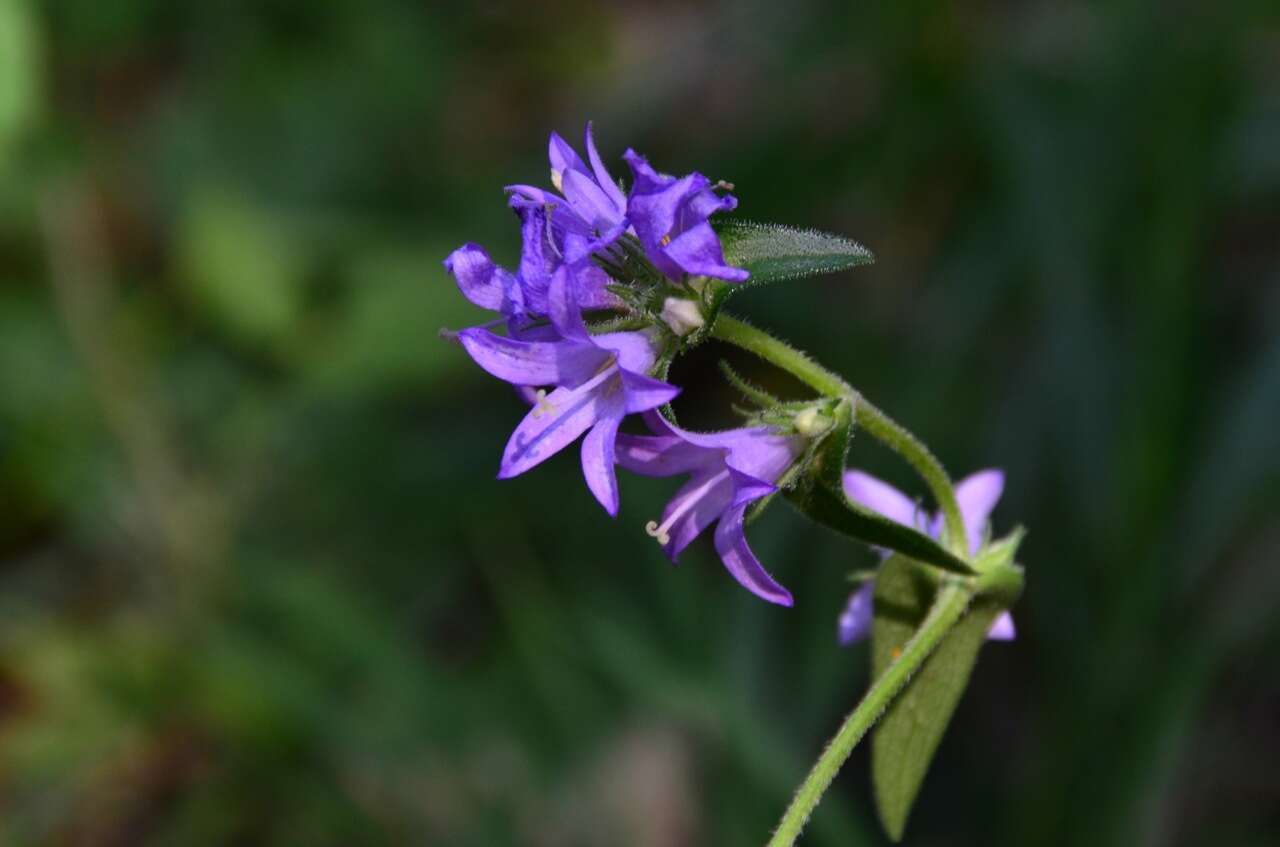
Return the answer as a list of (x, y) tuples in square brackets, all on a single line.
[(772, 252), (819, 494), (834, 511), (912, 727)]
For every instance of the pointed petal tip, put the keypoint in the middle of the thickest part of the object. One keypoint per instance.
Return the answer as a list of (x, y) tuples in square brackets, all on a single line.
[(784, 600), (1002, 629)]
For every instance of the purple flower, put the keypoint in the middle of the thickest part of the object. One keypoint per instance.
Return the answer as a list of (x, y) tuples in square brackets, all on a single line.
[(727, 471), (592, 207), (596, 380), (522, 297), (977, 496), (670, 215)]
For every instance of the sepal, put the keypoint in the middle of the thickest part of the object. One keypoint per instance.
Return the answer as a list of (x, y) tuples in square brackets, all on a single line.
[(818, 493)]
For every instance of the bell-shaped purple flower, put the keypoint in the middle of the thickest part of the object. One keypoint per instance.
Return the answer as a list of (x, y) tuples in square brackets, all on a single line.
[(670, 215), (977, 496), (522, 297), (590, 204), (596, 380), (727, 471)]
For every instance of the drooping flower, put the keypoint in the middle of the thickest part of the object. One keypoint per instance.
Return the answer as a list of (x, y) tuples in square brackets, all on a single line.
[(977, 496), (670, 217), (596, 380), (521, 297), (727, 471)]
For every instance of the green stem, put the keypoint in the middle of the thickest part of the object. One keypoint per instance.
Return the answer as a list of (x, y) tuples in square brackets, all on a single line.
[(897, 438), (948, 607), (883, 428), (782, 354)]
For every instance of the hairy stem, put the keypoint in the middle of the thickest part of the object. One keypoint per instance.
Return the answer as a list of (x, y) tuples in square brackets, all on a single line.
[(897, 438), (948, 607), (881, 427), (780, 353)]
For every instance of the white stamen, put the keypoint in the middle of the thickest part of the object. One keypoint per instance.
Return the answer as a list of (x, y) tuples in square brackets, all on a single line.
[(557, 181), (663, 533), (656, 532)]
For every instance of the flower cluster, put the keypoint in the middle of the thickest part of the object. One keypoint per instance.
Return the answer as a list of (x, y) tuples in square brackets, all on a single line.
[(590, 247)]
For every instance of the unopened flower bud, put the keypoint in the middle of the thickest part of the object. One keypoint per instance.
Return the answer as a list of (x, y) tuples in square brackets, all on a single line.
[(683, 316), (811, 422)]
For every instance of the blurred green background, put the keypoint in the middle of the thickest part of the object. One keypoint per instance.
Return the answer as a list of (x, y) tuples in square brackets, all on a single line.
[(258, 585)]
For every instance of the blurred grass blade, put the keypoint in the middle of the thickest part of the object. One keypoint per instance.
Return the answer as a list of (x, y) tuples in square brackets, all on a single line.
[(912, 727), (772, 252)]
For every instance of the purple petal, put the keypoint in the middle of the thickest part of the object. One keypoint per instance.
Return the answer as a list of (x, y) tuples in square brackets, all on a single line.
[(634, 349), (761, 453), (562, 305), (553, 424), (664, 455), (695, 506), (747, 489), (643, 393), (670, 218), (602, 174), (579, 246), (531, 362), (521, 328), (1002, 629), (731, 544), (481, 281), (592, 293), (757, 452), (880, 497), (697, 251), (598, 454), (536, 260), (590, 201), (563, 159), (706, 203), (855, 621), (977, 495)]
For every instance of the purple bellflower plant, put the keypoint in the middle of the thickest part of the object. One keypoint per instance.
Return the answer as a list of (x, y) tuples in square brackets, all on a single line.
[(613, 284), (727, 472), (976, 494)]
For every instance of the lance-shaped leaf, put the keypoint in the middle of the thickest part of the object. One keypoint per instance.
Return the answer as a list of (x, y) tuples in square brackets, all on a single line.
[(819, 494), (772, 252), (912, 727)]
